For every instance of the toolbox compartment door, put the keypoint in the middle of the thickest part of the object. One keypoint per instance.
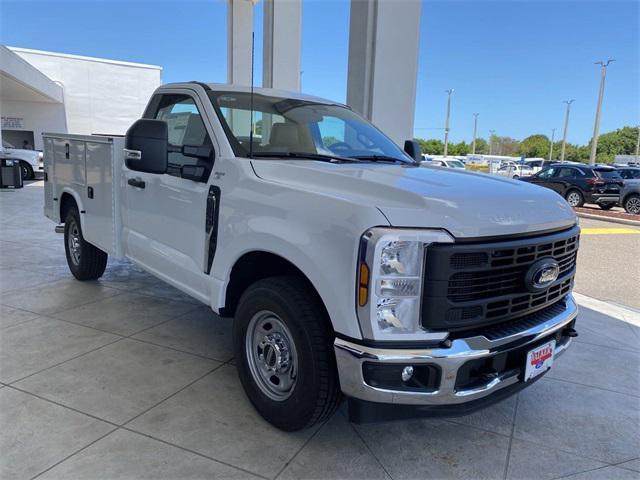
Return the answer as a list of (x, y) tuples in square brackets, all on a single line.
[(98, 194)]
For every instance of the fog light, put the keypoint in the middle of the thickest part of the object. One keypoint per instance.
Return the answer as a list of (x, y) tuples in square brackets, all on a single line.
[(407, 373)]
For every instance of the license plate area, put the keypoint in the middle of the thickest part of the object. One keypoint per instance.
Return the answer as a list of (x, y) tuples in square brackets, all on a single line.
[(539, 360)]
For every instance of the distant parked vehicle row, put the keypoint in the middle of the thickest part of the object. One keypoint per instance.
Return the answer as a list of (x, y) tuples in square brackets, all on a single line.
[(582, 183)]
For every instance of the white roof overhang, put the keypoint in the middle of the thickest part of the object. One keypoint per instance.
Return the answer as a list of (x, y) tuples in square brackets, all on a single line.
[(21, 81)]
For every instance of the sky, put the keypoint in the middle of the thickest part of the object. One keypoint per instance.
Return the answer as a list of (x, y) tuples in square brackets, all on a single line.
[(513, 62)]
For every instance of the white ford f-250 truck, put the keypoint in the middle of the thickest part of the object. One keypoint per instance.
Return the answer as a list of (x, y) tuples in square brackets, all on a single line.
[(348, 267)]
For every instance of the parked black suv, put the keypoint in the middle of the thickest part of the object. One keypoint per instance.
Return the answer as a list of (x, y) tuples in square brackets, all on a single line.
[(581, 183)]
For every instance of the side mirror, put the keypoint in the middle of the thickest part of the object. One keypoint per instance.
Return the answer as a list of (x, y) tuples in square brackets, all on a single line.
[(146, 146), (412, 148)]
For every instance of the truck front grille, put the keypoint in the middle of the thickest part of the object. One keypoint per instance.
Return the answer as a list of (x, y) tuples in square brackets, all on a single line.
[(472, 284)]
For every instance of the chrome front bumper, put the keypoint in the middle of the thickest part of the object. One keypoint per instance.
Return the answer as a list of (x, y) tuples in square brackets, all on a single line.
[(351, 356)]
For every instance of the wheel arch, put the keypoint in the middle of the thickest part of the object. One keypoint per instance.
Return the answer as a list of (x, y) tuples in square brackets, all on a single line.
[(257, 265), (69, 199)]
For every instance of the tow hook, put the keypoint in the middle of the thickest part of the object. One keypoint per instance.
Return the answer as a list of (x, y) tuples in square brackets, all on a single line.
[(570, 332)]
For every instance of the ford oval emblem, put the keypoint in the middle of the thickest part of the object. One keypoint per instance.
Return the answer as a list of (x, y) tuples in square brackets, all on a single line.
[(542, 274)]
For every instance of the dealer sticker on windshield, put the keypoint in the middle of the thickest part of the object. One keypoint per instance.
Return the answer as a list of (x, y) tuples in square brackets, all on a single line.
[(539, 360)]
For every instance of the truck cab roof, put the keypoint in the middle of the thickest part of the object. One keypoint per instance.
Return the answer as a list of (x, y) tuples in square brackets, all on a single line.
[(272, 92)]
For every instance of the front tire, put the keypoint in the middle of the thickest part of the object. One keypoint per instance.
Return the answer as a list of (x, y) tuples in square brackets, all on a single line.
[(574, 198), (632, 204), (284, 350), (85, 261)]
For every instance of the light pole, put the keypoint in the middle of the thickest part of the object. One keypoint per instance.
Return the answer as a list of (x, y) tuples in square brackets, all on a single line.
[(596, 127), (446, 122), (553, 134), (566, 128), (475, 131), (491, 134), (638, 146)]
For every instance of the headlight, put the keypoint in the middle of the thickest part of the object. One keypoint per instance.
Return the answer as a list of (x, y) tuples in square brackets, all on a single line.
[(391, 276)]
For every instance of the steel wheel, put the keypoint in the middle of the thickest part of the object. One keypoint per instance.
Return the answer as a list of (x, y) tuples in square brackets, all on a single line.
[(271, 355), (25, 171), (73, 241), (574, 199), (632, 205)]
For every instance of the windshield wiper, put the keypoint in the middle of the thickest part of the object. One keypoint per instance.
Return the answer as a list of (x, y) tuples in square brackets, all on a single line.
[(304, 155), (380, 158)]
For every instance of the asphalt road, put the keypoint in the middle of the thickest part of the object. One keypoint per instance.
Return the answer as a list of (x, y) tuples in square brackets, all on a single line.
[(609, 262)]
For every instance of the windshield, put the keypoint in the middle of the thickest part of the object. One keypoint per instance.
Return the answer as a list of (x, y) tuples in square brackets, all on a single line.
[(289, 126), (456, 164)]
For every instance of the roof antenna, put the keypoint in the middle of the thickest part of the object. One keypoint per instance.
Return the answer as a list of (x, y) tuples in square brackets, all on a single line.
[(253, 46)]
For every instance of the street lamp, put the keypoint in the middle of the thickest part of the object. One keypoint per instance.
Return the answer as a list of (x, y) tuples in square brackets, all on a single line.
[(596, 127), (446, 122), (566, 128), (553, 134), (475, 131)]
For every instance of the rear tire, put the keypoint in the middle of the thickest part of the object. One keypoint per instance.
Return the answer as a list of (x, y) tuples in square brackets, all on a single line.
[(574, 198), (26, 171), (606, 206), (632, 204), (283, 345), (85, 261)]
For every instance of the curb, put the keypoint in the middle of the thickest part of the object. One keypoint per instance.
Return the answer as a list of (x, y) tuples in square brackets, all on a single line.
[(623, 221), (619, 312)]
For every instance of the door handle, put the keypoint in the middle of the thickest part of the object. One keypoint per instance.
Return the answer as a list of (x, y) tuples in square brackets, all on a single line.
[(135, 182)]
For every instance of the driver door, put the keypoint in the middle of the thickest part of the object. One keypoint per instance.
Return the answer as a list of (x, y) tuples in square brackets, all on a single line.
[(544, 177), (164, 214)]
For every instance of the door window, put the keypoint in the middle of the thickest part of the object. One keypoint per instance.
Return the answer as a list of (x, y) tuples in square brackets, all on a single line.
[(566, 173), (547, 173), (186, 128)]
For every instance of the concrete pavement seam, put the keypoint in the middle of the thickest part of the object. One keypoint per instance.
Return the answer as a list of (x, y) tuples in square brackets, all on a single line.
[(555, 379), (366, 445), (74, 453), (513, 428), (194, 452)]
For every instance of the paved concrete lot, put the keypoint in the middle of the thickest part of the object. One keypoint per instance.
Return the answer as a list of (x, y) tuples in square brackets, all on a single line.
[(128, 378), (609, 262)]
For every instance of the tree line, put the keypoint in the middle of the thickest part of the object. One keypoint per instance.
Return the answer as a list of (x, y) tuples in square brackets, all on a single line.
[(619, 142)]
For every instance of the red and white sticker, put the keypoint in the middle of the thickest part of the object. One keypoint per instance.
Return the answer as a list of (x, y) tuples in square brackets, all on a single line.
[(539, 360)]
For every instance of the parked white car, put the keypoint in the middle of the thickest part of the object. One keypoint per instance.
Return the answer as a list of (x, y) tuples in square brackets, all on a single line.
[(515, 170), (445, 162), (31, 161), (347, 268)]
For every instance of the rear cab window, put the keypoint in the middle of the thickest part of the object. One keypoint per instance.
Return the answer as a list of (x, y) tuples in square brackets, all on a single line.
[(607, 174)]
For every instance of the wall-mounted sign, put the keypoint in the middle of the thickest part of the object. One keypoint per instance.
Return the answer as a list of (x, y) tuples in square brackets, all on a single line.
[(13, 123)]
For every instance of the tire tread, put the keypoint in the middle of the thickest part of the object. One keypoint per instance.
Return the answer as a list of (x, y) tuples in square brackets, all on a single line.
[(93, 261), (310, 314)]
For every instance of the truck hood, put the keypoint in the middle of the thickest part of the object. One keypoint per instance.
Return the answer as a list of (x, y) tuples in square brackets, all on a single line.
[(466, 204)]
